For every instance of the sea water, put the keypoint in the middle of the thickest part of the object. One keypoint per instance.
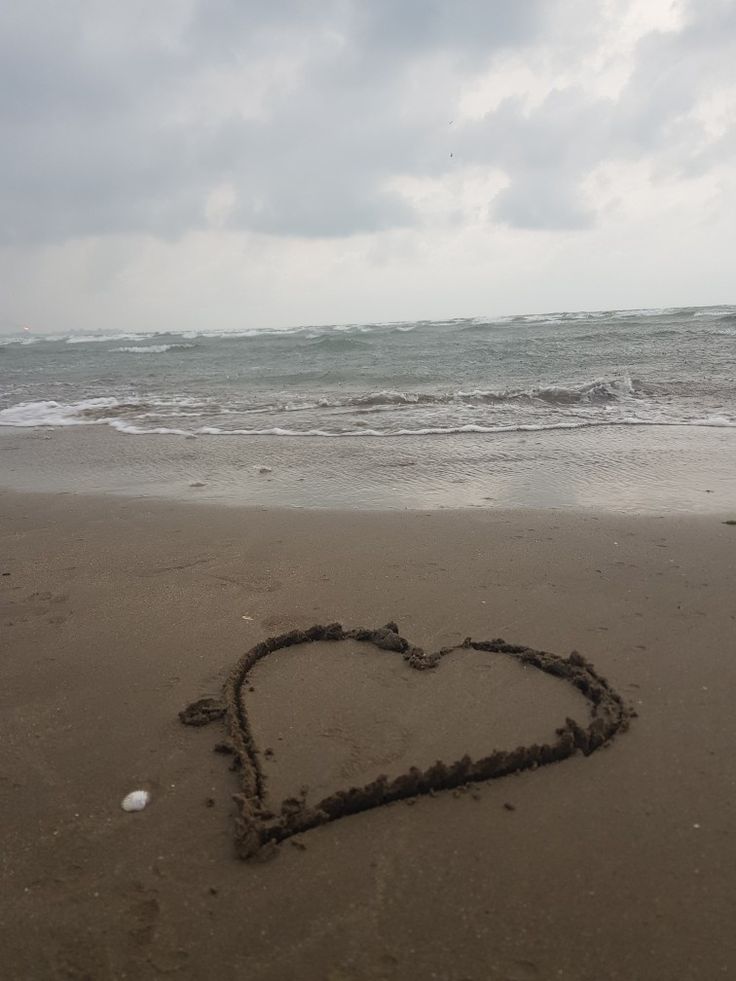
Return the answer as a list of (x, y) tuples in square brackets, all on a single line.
[(456, 402)]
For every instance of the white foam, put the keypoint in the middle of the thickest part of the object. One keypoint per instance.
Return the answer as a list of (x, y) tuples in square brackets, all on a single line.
[(130, 429), (131, 415), (644, 312), (598, 390), (49, 413), (101, 338), (714, 312), (153, 348), (714, 422), (20, 341)]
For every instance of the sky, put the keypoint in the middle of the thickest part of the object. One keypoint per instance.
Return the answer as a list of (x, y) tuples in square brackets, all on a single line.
[(227, 164)]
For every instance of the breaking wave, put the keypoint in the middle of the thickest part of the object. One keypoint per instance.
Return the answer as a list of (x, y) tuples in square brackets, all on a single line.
[(713, 422), (600, 390), (48, 412), (138, 417), (153, 348), (28, 415)]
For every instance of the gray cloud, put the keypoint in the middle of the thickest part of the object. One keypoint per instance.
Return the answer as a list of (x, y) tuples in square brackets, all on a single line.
[(549, 151), (98, 138), (112, 123)]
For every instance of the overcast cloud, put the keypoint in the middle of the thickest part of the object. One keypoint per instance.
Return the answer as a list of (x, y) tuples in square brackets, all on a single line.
[(222, 163)]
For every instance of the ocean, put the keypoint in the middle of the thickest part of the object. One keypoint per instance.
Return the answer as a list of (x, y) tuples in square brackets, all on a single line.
[(457, 402)]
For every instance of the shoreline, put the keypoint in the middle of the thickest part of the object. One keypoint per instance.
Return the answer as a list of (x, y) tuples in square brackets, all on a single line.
[(635, 471), (118, 612)]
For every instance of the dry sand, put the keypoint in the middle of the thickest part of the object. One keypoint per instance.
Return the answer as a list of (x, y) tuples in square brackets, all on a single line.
[(116, 613)]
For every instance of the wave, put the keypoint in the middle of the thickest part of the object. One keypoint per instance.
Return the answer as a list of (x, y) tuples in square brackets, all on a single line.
[(567, 317), (94, 411), (600, 390), (95, 339), (309, 333), (314, 331), (100, 338), (713, 422), (715, 312), (126, 416), (50, 413), (153, 348), (337, 341), (19, 341)]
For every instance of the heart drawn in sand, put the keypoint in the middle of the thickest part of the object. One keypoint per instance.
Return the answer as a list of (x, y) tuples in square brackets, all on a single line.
[(259, 826)]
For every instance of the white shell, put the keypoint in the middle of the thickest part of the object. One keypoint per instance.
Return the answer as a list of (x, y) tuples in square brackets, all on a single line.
[(136, 800)]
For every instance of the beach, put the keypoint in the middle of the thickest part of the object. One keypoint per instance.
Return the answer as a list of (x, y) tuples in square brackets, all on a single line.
[(368, 492), (119, 611)]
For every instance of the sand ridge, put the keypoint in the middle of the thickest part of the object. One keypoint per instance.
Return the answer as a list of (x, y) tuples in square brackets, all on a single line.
[(258, 827)]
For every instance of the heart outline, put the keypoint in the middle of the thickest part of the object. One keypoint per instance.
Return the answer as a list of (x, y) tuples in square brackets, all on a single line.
[(258, 827)]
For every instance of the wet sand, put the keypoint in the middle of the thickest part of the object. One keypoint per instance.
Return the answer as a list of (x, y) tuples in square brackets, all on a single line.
[(115, 613), (635, 469)]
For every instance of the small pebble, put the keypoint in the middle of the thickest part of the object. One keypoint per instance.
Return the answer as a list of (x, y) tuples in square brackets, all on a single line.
[(509, 807)]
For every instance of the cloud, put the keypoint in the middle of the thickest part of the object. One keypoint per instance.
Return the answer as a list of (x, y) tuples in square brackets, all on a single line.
[(549, 150), (119, 121), (535, 201), (302, 119)]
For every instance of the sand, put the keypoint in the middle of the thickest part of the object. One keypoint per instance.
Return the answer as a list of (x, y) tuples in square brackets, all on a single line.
[(115, 614)]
